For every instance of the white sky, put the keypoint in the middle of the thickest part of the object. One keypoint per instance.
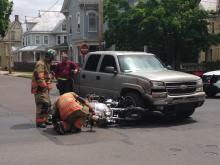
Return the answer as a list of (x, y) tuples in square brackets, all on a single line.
[(30, 8)]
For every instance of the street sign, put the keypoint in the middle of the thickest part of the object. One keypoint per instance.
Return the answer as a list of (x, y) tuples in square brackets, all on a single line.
[(84, 49)]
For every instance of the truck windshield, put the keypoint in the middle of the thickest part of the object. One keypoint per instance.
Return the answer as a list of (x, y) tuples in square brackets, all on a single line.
[(132, 63)]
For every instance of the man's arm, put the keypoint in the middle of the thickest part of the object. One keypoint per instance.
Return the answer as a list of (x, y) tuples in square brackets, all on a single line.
[(40, 77)]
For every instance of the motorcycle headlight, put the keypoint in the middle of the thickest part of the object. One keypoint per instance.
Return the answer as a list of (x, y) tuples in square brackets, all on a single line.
[(101, 110)]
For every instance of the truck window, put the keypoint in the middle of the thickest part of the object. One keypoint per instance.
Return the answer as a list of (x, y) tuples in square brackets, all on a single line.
[(108, 60), (92, 62)]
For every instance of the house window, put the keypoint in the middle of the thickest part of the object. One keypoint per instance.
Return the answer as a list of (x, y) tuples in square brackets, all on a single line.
[(37, 40), (92, 21), (58, 40), (70, 25), (24, 44), (12, 35), (78, 22), (29, 40), (65, 39), (46, 40), (64, 26)]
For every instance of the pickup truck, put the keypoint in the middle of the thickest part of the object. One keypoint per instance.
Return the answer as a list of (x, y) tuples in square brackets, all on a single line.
[(142, 79)]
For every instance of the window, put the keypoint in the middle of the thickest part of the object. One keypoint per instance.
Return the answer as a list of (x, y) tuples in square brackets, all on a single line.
[(46, 40), (65, 39), (78, 22), (58, 40), (12, 35), (107, 61), (37, 40), (92, 62), (29, 40), (64, 26), (92, 22), (70, 24)]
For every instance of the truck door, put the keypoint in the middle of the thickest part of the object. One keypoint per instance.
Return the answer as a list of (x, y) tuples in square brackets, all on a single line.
[(87, 79), (108, 83)]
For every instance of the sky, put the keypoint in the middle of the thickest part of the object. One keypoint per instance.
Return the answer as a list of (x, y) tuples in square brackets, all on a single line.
[(30, 8)]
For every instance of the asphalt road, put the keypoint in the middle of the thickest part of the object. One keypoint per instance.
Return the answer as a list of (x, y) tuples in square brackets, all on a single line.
[(157, 141)]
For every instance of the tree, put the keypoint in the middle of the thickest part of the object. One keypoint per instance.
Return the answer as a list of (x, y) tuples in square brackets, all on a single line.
[(5, 12), (175, 30)]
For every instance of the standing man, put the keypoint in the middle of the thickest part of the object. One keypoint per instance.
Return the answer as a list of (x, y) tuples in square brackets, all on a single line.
[(64, 73), (40, 87)]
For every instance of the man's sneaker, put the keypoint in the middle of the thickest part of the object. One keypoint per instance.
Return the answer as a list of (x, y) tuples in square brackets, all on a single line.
[(59, 128), (41, 125)]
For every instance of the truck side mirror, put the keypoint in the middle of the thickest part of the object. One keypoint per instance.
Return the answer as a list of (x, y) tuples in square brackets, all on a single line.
[(110, 69), (169, 67)]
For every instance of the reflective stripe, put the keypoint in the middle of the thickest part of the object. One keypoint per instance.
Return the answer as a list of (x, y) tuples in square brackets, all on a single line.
[(61, 78), (40, 120)]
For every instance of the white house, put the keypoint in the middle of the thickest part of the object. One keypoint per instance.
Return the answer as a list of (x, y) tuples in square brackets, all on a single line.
[(42, 33)]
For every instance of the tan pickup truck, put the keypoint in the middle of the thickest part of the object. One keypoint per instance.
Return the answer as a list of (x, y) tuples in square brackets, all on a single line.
[(142, 79)]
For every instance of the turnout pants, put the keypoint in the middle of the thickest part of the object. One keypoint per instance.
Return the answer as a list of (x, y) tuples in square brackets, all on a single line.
[(43, 104)]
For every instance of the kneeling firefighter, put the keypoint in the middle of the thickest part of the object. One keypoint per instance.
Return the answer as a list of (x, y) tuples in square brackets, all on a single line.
[(70, 113)]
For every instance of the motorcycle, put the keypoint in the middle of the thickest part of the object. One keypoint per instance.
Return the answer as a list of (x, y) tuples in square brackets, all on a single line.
[(111, 111)]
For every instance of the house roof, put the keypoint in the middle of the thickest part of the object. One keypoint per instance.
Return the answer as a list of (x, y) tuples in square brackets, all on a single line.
[(33, 48), (64, 8), (48, 21)]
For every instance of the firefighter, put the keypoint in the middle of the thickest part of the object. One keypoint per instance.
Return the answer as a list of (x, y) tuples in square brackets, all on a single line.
[(40, 87), (70, 113)]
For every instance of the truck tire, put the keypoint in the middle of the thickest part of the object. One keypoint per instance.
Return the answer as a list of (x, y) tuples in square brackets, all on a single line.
[(185, 113), (134, 99)]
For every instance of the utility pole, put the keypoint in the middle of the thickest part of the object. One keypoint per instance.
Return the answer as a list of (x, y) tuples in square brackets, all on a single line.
[(9, 52), (100, 24)]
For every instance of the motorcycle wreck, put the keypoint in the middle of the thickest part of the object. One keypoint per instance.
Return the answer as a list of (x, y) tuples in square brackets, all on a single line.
[(109, 111), (71, 112)]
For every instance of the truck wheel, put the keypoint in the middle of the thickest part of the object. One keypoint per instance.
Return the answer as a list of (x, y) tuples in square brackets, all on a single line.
[(133, 99), (185, 113)]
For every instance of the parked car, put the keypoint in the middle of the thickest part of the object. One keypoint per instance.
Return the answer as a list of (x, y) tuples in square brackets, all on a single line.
[(211, 83)]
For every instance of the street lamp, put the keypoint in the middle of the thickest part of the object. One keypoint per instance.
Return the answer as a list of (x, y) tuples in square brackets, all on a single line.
[(9, 52), (100, 24)]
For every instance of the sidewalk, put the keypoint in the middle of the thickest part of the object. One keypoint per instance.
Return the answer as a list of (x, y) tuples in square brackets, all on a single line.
[(18, 74)]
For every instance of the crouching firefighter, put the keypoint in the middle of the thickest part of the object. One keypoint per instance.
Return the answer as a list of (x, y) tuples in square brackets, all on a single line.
[(70, 113)]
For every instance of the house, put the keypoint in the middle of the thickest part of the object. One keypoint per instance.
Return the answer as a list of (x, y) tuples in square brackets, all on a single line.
[(213, 53), (84, 25), (10, 43), (48, 31)]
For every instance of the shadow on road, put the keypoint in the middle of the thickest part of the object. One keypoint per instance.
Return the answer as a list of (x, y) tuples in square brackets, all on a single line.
[(156, 120), (214, 97), (23, 126)]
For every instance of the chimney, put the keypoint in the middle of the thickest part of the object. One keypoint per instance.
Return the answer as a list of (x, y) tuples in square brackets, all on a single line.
[(17, 18)]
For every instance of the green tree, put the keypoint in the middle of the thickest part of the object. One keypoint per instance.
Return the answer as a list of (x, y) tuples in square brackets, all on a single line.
[(5, 12), (175, 30)]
